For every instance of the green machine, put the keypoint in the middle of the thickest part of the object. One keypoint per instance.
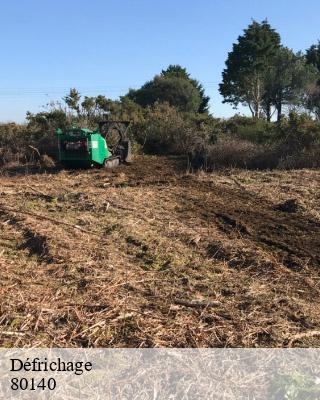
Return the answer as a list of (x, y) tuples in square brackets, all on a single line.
[(79, 147)]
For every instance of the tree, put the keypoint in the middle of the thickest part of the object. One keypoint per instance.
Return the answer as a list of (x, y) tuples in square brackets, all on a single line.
[(176, 91), (313, 55), (313, 100), (102, 104), (180, 72), (165, 130), (55, 118), (286, 81), (313, 96), (243, 79), (72, 100), (89, 106), (174, 86)]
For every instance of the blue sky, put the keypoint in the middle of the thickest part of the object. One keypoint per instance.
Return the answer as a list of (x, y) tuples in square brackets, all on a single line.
[(105, 47)]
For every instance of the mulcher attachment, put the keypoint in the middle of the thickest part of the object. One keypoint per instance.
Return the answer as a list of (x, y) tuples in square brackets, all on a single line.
[(121, 150)]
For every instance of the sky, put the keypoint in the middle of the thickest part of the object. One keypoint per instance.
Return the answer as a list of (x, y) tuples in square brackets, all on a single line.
[(108, 46)]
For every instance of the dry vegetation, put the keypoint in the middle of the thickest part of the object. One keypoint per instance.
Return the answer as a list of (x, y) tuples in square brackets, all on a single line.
[(150, 255)]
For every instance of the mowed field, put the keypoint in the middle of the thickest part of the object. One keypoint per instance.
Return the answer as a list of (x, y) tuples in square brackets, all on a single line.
[(150, 255)]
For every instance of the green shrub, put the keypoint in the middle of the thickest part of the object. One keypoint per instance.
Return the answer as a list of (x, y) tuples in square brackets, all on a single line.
[(298, 132), (250, 129), (166, 130)]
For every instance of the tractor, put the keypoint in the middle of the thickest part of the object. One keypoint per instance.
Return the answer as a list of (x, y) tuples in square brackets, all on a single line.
[(107, 147)]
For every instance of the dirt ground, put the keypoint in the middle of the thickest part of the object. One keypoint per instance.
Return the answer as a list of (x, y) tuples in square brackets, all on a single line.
[(151, 255)]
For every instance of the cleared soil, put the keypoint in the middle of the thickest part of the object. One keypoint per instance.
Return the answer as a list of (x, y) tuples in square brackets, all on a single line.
[(150, 255)]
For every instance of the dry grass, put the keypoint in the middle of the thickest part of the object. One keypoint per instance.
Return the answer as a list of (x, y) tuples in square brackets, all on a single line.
[(230, 152), (151, 256)]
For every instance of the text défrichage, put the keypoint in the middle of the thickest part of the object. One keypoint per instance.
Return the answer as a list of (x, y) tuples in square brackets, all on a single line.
[(44, 365)]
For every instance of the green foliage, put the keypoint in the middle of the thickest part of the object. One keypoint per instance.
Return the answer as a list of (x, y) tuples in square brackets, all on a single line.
[(166, 130), (102, 103), (163, 131), (174, 86), (89, 106), (247, 64), (169, 114), (286, 81), (72, 100), (55, 118), (178, 92), (313, 55), (126, 109), (249, 129), (313, 99), (180, 72), (262, 74), (12, 135), (313, 93), (256, 143), (298, 132)]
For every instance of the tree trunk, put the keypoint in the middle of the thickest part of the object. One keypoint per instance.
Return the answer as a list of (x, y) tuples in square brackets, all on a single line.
[(257, 97), (279, 107), (268, 111), (279, 111), (252, 112)]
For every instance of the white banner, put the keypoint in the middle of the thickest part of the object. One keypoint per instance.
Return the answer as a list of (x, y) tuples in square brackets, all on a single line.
[(286, 374)]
